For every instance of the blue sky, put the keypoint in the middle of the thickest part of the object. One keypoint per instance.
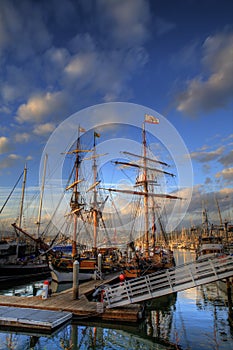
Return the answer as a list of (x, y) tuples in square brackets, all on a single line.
[(174, 57)]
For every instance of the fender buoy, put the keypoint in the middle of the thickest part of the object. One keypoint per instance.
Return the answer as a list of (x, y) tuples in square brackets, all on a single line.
[(122, 277), (45, 291)]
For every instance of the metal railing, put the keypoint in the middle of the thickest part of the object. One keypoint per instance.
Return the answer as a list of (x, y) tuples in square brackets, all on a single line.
[(169, 281)]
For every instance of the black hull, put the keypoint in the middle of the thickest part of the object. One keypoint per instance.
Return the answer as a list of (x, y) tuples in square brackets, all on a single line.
[(16, 272)]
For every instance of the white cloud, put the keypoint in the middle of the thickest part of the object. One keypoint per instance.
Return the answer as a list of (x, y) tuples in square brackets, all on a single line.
[(9, 161), (53, 77), (22, 137), (4, 145), (39, 107), (58, 56), (126, 19), (202, 198), (227, 159), (22, 26), (225, 174), (207, 156), (81, 64), (213, 89), (14, 156), (44, 129), (226, 193), (103, 72)]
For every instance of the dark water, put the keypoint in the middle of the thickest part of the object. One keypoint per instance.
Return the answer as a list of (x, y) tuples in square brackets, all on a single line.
[(195, 319)]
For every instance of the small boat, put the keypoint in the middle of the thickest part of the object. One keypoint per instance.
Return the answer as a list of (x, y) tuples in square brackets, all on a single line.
[(209, 247), (210, 243)]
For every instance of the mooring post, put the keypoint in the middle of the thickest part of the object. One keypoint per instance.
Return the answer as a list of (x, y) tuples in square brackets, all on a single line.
[(75, 280), (100, 264)]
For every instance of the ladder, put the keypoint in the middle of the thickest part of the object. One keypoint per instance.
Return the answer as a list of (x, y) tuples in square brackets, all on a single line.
[(169, 281)]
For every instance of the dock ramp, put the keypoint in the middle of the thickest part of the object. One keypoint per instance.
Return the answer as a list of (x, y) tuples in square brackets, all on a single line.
[(169, 281)]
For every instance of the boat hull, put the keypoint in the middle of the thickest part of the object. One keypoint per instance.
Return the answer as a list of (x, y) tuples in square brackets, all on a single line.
[(67, 275), (16, 272)]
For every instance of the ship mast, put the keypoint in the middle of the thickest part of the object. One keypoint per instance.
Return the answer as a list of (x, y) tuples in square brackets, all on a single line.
[(145, 188), (74, 200), (75, 205), (95, 211)]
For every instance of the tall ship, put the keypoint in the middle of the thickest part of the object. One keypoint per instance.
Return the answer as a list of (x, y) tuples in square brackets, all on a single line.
[(86, 208), (139, 255), (144, 255)]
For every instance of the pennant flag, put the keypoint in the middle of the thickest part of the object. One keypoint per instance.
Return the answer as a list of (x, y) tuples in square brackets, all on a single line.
[(96, 134), (151, 119), (82, 129)]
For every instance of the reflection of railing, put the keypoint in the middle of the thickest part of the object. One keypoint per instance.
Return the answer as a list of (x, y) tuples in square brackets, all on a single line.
[(169, 281)]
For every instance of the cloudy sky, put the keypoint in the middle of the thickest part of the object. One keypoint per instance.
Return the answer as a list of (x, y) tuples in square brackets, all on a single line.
[(172, 56)]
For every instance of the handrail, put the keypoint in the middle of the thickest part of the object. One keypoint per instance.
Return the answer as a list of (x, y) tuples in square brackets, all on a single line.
[(169, 281)]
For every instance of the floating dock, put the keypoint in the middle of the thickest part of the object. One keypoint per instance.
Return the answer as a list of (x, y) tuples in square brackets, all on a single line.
[(62, 305), (28, 318)]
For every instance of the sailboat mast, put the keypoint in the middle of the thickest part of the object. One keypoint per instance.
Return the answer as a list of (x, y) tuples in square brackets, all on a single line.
[(95, 219), (145, 187), (21, 206), (22, 196), (219, 212), (41, 196)]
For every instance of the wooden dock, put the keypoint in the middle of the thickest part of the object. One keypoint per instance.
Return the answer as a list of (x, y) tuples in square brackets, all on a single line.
[(28, 318), (78, 308)]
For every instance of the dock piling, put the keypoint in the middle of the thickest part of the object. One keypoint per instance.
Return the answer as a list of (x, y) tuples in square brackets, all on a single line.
[(75, 280)]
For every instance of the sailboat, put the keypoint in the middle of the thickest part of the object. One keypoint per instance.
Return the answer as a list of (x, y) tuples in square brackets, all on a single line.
[(141, 257), (22, 260), (97, 260), (210, 244)]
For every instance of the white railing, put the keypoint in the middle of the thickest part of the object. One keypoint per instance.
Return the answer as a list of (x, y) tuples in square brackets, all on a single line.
[(169, 281)]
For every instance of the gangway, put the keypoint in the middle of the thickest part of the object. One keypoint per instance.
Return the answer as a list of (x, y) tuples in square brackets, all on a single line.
[(168, 281)]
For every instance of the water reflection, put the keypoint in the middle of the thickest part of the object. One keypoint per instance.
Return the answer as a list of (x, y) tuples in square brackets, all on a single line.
[(75, 337), (195, 319)]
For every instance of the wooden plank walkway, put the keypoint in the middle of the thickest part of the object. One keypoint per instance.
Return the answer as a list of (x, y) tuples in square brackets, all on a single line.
[(28, 318), (169, 281), (80, 308)]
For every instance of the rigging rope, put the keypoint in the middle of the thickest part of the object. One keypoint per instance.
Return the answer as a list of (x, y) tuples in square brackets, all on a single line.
[(11, 193)]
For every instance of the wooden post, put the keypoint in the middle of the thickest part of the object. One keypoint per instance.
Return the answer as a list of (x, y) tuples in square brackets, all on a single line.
[(75, 280), (74, 337), (100, 262), (229, 299)]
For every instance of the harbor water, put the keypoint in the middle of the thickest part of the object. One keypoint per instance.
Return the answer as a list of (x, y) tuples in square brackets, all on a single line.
[(195, 319)]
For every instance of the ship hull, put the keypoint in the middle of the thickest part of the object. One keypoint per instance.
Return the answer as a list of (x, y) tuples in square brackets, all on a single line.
[(16, 272), (66, 276)]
